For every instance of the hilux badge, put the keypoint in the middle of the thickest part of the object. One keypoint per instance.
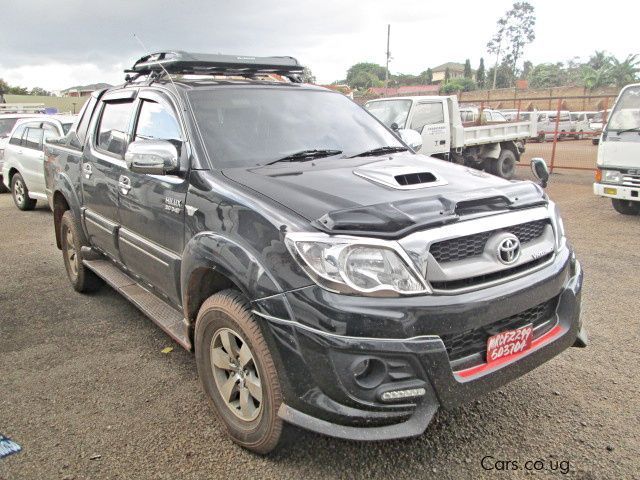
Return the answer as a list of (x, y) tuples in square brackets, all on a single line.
[(509, 250)]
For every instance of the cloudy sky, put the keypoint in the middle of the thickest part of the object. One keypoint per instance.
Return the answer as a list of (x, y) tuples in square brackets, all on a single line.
[(59, 44)]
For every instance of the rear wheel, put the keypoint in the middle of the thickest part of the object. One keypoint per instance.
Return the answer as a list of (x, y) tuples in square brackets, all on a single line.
[(20, 193), (237, 372), (82, 279), (505, 165), (626, 207)]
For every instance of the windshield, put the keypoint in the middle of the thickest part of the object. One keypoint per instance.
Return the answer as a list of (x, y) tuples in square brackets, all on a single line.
[(245, 127), (626, 113), (6, 125), (390, 111)]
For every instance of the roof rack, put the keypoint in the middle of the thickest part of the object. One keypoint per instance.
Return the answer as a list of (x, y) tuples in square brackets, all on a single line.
[(180, 62)]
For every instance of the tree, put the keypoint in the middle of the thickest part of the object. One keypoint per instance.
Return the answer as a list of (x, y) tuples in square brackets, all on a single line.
[(527, 66), (600, 59), (515, 30), (480, 74), (308, 76), (364, 80), (625, 72), (447, 75), (467, 69), (377, 71), (503, 76), (40, 91), (458, 85), (426, 77), (547, 75)]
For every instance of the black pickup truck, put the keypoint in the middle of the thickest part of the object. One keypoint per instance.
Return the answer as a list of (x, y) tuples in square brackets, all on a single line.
[(324, 274)]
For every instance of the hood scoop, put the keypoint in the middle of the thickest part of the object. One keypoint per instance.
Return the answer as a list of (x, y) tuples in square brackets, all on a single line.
[(401, 175)]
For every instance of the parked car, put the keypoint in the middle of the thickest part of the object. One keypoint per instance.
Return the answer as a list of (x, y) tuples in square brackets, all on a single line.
[(469, 115), (496, 147), (324, 273), (597, 124), (618, 163), (23, 166), (7, 122), (580, 123)]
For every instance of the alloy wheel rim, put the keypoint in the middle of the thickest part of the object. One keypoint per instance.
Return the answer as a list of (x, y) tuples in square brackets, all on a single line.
[(72, 255), (18, 191), (236, 375)]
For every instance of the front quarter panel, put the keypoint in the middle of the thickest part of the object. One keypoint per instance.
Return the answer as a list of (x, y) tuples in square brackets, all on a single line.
[(240, 234)]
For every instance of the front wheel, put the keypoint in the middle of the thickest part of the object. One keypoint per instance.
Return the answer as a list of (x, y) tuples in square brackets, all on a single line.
[(20, 193), (505, 165), (626, 207), (237, 372)]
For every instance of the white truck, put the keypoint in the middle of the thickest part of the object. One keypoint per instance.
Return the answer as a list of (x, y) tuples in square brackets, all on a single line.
[(494, 148), (618, 164)]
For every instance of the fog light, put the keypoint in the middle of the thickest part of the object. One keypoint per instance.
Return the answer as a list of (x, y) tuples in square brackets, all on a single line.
[(368, 372), (393, 395), (610, 191)]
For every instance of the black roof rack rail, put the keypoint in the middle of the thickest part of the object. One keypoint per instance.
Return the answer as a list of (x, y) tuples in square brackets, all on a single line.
[(180, 62)]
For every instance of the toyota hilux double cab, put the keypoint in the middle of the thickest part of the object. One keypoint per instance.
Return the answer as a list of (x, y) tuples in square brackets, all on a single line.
[(324, 274)]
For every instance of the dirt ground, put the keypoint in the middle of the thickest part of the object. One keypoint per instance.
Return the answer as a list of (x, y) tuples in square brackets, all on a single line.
[(87, 393)]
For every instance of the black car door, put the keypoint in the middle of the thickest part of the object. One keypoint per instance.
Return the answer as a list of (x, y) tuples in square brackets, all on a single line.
[(103, 166), (151, 209)]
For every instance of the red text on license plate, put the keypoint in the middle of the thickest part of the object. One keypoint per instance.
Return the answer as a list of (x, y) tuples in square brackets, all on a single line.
[(508, 343)]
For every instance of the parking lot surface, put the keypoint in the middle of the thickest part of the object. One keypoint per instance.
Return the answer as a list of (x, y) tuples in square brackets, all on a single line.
[(87, 392)]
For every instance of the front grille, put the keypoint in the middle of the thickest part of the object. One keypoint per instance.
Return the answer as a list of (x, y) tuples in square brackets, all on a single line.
[(474, 341), (473, 245), (631, 180)]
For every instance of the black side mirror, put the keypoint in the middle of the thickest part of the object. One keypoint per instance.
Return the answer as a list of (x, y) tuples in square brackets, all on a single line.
[(540, 171), (394, 127)]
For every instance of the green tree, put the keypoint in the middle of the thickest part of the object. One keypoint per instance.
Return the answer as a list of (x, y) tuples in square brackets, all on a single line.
[(527, 66), (592, 78), (600, 59), (358, 69), (502, 75), (308, 76), (514, 31), (364, 80), (40, 91), (458, 85), (626, 71), (546, 75), (426, 77), (467, 69), (480, 74), (447, 75)]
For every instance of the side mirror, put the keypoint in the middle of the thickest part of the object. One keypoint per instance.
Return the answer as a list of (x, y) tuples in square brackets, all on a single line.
[(411, 138), (155, 157), (394, 127), (540, 171)]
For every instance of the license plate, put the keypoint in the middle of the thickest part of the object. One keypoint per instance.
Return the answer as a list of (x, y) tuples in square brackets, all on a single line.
[(508, 343)]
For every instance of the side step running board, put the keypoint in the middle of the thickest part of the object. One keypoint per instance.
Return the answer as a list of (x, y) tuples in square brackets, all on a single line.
[(165, 316)]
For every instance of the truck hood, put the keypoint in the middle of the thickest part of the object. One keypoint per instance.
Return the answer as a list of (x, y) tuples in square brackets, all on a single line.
[(384, 196), (620, 151)]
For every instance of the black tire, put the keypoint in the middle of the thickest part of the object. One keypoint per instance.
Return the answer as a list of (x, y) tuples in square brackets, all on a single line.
[(505, 165), (228, 312), (82, 279), (626, 207), (20, 193)]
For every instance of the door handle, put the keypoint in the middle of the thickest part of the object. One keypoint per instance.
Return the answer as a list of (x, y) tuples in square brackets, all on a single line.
[(19, 152), (125, 184), (87, 170)]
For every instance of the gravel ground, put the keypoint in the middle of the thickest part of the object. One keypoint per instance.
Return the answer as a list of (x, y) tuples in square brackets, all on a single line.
[(87, 393)]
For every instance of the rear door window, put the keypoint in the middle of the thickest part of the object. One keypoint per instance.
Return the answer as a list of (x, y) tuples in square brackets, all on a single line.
[(16, 138), (33, 138), (114, 127), (83, 124)]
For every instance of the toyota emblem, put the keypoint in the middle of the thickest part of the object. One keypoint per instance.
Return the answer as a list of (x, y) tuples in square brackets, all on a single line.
[(509, 250)]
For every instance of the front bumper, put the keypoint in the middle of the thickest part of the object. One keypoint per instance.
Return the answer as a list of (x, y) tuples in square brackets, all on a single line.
[(316, 350), (622, 192)]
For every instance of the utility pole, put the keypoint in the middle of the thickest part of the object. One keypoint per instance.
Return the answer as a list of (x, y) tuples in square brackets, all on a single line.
[(386, 72)]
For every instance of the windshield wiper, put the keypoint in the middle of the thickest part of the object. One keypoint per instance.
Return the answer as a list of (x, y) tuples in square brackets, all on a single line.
[(380, 151), (633, 129), (305, 155)]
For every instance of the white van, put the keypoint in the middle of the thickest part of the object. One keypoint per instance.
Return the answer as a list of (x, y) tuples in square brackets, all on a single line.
[(580, 123), (618, 173)]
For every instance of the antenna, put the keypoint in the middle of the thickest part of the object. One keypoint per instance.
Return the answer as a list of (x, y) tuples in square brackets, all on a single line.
[(146, 51)]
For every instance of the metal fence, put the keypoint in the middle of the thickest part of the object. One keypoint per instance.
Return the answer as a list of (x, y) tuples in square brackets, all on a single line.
[(569, 127)]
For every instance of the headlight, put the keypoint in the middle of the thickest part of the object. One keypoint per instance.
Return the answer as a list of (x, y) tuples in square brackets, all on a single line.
[(558, 225), (356, 265), (611, 176)]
